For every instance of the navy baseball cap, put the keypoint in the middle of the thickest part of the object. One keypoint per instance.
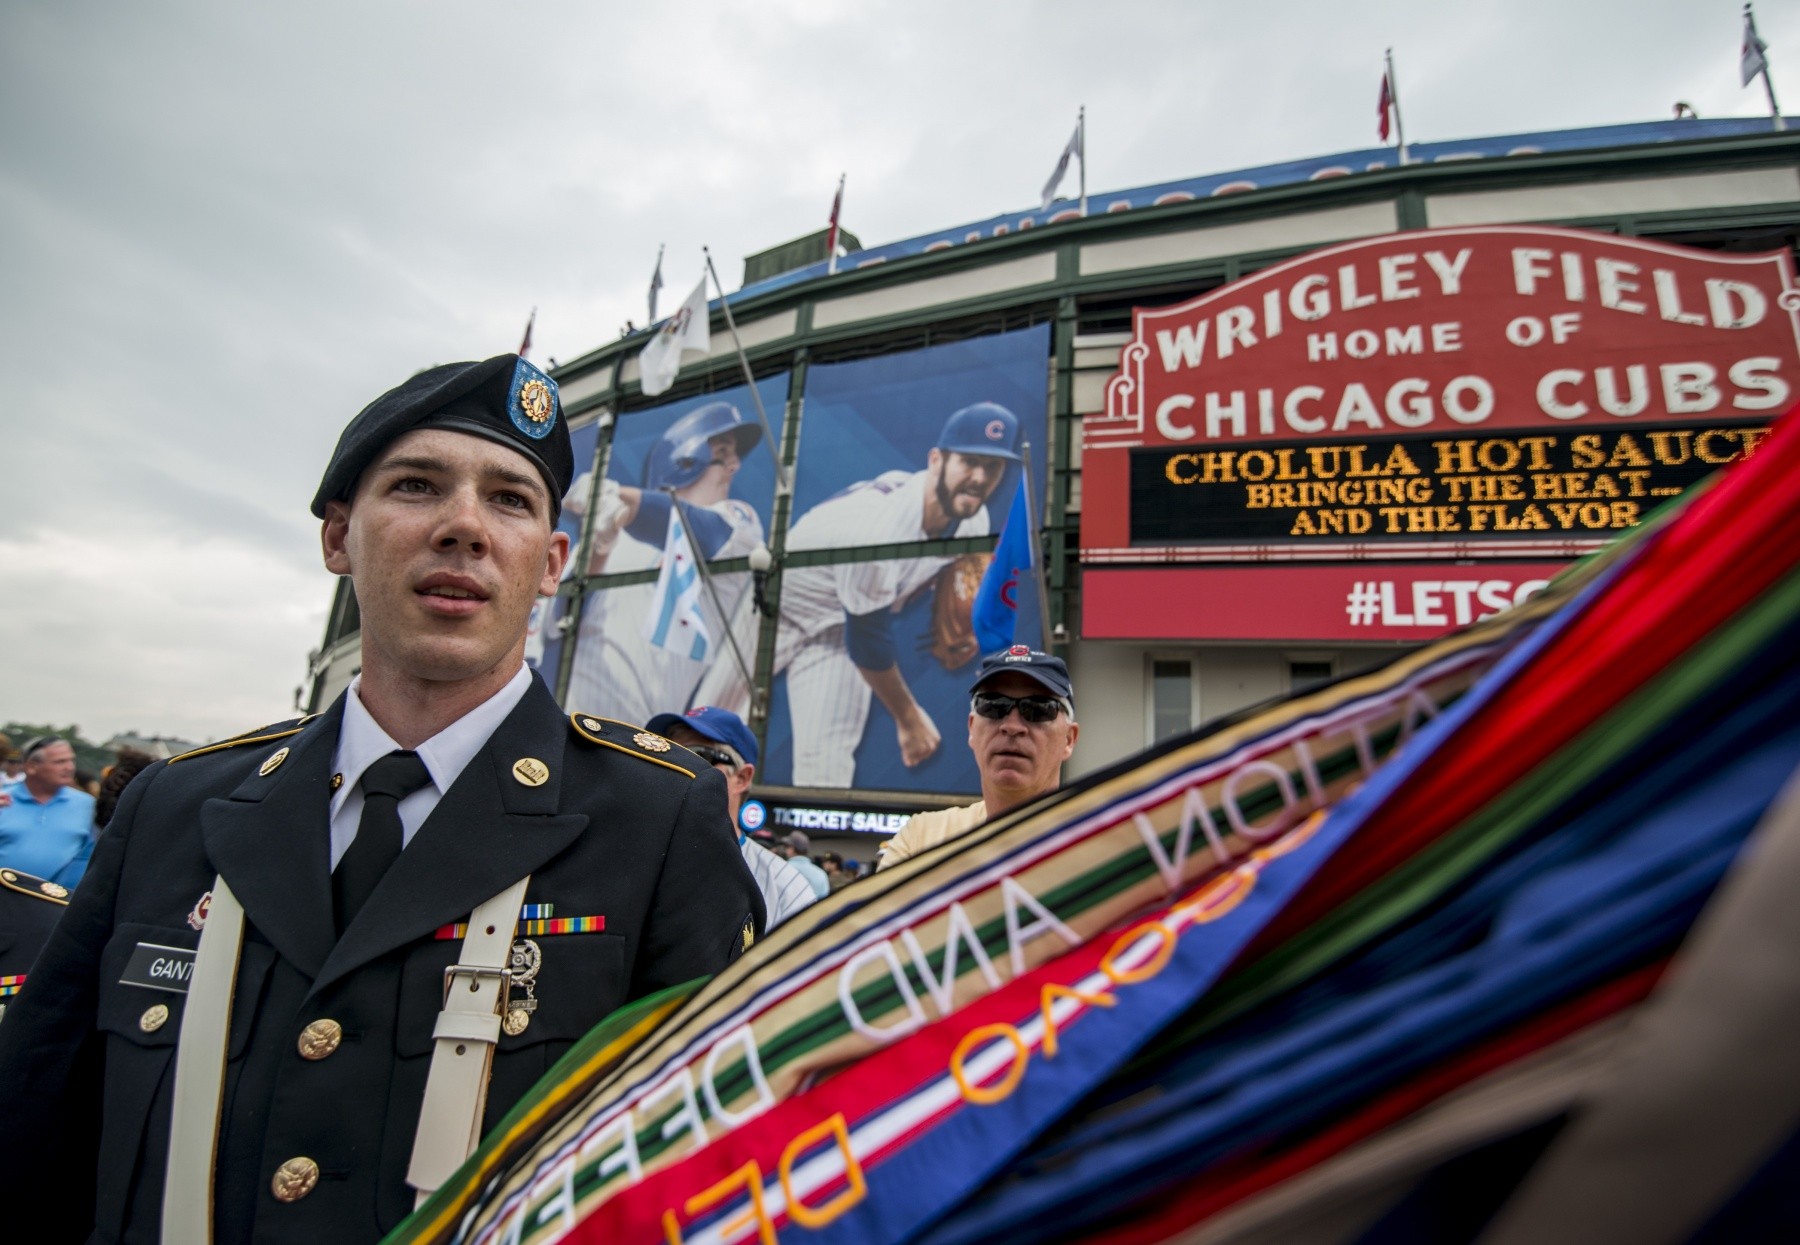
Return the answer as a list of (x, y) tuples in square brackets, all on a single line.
[(719, 725), (1042, 668), (984, 428), (504, 399)]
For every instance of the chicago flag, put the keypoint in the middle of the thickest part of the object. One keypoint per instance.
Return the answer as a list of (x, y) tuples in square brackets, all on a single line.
[(674, 621)]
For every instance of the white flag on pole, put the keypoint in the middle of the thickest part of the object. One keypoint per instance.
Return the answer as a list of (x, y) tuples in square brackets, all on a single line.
[(1073, 149), (1752, 61), (687, 329), (674, 621)]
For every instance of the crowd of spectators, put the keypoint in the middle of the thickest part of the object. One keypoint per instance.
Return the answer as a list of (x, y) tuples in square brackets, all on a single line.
[(51, 811)]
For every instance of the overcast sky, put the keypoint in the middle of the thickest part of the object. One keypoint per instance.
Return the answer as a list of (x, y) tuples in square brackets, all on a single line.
[(225, 227)]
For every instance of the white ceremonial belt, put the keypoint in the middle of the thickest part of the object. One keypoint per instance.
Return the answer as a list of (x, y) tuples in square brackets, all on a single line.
[(200, 1055), (475, 990)]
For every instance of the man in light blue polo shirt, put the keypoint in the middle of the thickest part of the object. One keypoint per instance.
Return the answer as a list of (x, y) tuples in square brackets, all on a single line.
[(48, 829)]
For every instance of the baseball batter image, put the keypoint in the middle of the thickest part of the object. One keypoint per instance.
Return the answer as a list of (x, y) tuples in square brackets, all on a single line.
[(618, 672), (836, 638)]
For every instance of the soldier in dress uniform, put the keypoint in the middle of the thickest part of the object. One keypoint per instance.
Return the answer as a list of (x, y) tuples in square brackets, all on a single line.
[(270, 970)]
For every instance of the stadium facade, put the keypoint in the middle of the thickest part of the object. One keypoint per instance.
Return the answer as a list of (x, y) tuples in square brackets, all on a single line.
[(1274, 426)]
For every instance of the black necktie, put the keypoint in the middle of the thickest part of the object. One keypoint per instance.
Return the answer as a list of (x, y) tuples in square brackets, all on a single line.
[(377, 843)]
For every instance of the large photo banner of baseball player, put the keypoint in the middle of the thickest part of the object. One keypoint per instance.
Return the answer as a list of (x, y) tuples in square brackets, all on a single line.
[(708, 457), (873, 658), (543, 632)]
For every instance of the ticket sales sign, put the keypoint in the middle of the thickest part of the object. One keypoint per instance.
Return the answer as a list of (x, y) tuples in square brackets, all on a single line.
[(1495, 391)]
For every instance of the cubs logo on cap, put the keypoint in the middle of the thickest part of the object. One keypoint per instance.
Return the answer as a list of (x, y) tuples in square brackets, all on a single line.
[(985, 428), (1050, 672), (532, 402)]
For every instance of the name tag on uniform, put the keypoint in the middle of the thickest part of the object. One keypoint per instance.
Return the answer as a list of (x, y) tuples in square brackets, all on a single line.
[(156, 967)]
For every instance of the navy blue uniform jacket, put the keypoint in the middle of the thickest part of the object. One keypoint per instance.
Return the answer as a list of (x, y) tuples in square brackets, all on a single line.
[(616, 832)]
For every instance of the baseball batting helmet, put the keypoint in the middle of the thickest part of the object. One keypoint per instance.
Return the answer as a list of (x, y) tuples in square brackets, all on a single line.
[(985, 428), (682, 455)]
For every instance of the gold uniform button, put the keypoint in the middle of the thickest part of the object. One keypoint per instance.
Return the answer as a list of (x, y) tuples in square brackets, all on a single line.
[(320, 1038), (155, 1017), (294, 1179)]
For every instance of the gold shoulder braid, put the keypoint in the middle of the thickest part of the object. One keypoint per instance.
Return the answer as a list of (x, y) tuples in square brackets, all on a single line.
[(632, 740), (262, 734), (37, 888)]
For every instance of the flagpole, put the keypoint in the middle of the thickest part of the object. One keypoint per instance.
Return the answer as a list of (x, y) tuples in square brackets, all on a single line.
[(655, 284), (1081, 125), (1394, 97), (837, 214), (1037, 560), (1768, 82), (782, 484), (712, 590)]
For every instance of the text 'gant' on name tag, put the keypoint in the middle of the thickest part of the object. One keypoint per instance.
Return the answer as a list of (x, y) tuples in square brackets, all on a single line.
[(157, 967)]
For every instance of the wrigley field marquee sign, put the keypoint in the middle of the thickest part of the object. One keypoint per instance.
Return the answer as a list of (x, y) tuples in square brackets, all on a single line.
[(1521, 392)]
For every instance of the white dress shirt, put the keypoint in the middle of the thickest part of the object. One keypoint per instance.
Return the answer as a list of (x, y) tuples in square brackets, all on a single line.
[(362, 742)]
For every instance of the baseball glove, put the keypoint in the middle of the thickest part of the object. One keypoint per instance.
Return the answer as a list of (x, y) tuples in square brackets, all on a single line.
[(953, 600)]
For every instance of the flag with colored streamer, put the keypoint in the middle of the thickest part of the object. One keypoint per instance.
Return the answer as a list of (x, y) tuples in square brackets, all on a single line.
[(1115, 1013), (674, 620)]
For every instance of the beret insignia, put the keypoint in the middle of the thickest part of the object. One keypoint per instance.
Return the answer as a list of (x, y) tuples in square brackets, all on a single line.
[(532, 403)]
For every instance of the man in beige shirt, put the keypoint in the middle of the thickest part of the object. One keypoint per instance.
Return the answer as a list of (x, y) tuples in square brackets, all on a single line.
[(1020, 737)]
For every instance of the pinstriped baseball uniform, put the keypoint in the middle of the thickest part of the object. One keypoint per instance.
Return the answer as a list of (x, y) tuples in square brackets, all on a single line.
[(784, 888), (828, 699), (622, 675)]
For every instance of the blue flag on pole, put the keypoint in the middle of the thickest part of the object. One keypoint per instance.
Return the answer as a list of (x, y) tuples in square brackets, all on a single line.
[(1008, 591)]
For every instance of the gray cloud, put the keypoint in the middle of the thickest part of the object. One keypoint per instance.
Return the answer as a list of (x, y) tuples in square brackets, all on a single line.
[(224, 228)]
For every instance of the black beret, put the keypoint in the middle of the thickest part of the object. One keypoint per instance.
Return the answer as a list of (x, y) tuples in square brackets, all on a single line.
[(504, 399)]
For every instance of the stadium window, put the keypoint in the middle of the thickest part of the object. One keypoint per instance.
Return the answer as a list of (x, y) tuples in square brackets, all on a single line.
[(1309, 672), (1171, 700)]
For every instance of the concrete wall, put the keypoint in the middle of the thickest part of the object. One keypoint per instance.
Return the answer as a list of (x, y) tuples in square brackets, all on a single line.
[(1113, 687)]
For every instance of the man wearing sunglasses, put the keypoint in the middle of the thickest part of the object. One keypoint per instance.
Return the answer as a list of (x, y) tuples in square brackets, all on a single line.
[(1021, 729), (720, 738)]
